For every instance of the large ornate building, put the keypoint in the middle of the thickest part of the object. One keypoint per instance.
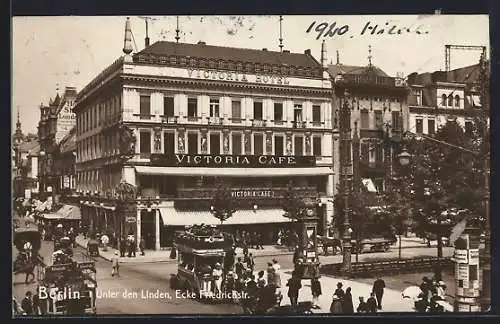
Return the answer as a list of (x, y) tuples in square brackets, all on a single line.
[(379, 114), (173, 118), (439, 96)]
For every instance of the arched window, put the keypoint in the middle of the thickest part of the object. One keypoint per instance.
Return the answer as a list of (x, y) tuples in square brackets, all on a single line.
[(443, 100), (457, 100), (450, 100)]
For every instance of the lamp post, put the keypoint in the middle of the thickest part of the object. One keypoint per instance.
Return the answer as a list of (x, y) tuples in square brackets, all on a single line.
[(341, 93)]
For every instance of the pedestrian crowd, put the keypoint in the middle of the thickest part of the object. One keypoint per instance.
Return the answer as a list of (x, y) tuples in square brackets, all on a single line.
[(433, 291)]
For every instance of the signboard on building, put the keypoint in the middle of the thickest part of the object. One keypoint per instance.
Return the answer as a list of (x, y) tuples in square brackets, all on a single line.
[(27, 193), (252, 194), (66, 182), (473, 256), (66, 120), (461, 256), (231, 161), (237, 76), (131, 219), (462, 274)]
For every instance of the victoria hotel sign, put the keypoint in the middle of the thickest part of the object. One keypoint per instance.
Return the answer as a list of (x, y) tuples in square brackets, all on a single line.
[(237, 77)]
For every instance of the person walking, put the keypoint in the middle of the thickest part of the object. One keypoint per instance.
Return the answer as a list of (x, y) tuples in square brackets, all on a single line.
[(239, 268), (339, 292), (276, 266), (316, 292), (347, 306), (142, 245), (27, 303), (116, 265), (378, 290), (261, 281), (336, 305), (371, 304), (294, 286), (250, 262)]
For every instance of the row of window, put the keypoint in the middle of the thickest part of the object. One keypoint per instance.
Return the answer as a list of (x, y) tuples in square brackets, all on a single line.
[(194, 141), (215, 109), (97, 146), (98, 113), (397, 121), (431, 126), (450, 101)]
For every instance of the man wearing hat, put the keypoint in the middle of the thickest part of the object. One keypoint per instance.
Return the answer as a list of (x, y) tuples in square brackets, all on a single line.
[(217, 275), (116, 265)]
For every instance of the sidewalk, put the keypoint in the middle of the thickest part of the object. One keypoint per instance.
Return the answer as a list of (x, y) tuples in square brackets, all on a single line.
[(164, 255), (391, 302)]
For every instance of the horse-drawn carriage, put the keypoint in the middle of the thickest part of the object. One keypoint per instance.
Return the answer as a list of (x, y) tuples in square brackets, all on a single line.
[(27, 242), (93, 247), (64, 244)]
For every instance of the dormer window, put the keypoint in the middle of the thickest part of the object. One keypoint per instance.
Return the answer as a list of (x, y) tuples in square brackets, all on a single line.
[(212, 65), (221, 65), (443, 100), (457, 101)]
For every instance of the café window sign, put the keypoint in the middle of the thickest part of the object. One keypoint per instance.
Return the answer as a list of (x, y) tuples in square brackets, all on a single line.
[(209, 74), (231, 161)]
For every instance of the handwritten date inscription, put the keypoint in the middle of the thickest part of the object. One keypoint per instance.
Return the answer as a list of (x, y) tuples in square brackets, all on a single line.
[(325, 29)]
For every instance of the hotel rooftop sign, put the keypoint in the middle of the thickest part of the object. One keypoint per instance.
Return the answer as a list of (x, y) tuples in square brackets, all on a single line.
[(231, 161)]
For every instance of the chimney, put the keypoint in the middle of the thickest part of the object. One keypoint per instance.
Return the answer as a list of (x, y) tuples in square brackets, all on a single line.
[(127, 41), (202, 43), (323, 55), (286, 51), (264, 49), (307, 52), (146, 41)]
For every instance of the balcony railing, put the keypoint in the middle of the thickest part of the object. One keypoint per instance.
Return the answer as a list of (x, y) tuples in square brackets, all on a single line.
[(299, 124), (317, 123), (193, 119), (236, 120), (215, 120), (279, 122), (169, 119), (144, 116), (258, 123)]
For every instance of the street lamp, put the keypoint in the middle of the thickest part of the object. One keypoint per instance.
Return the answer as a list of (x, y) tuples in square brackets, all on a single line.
[(341, 93), (404, 157)]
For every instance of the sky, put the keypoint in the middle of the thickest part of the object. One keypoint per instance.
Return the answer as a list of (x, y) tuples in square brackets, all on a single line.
[(50, 53)]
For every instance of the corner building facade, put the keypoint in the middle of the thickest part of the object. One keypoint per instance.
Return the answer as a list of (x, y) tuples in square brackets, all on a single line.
[(254, 119)]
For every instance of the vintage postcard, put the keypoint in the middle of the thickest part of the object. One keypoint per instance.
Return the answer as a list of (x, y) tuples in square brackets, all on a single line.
[(238, 165)]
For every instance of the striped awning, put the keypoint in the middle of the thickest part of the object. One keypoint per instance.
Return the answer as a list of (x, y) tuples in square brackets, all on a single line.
[(70, 212), (175, 217), (235, 172)]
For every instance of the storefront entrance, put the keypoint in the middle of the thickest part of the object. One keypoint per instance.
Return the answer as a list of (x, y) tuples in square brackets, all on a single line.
[(148, 228)]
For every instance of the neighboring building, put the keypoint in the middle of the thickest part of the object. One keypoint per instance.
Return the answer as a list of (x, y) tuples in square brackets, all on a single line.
[(25, 151), (65, 163), (439, 96), (56, 121), (254, 118), (378, 104)]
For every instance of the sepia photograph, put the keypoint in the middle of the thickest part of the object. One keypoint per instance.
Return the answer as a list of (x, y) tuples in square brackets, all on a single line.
[(250, 165)]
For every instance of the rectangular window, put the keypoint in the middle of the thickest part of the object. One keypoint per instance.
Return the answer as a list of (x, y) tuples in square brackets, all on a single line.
[(365, 119), (379, 153), (236, 139), (469, 129), (145, 106), (192, 107), (299, 146), (365, 152), (214, 107), (145, 142), (297, 112), (168, 106), (378, 119), (419, 126), (214, 143), (431, 126), (317, 146), (316, 111), (192, 143), (258, 144), (169, 143), (396, 121), (278, 111), (278, 145), (236, 110), (257, 110)]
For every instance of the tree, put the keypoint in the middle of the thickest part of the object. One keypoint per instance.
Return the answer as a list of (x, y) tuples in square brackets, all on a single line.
[(443, 176), (293, 205), (223, 206)]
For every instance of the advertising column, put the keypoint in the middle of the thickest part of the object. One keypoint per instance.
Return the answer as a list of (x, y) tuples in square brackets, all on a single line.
[(466, 259)]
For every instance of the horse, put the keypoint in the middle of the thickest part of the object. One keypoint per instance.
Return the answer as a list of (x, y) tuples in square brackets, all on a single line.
[(27, 266), (327, 242)]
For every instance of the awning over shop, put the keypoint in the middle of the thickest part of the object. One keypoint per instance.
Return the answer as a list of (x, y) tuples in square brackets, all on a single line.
[(70, 212), (369, 185), (235, 172), (51, 216), (174, 217)]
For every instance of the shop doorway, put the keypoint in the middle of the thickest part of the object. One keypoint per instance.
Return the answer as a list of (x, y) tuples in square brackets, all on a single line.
[(148, 229)]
